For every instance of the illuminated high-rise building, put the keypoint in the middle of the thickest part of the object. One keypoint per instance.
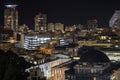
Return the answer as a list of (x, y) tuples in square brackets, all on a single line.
[(114, 18), (40, 22), (11, 17)]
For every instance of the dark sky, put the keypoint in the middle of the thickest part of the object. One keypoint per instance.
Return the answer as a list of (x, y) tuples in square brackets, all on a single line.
[(68, 12)]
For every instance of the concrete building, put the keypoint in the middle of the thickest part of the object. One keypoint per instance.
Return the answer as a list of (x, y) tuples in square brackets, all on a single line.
[(11, 17), (46, 68), (58, 73), (40, 22), (91, 66)]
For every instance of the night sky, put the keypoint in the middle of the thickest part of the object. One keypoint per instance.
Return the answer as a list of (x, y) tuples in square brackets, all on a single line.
[(68, 12)]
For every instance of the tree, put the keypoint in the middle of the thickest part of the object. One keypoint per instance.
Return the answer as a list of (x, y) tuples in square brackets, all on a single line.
[(12, 67)]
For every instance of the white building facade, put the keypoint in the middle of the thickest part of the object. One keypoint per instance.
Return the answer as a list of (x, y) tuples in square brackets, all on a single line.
[(47, 67), (33, 41)]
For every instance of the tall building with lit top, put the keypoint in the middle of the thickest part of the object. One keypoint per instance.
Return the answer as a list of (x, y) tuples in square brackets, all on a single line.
[(40, 22), (11, 17), (114, 18)]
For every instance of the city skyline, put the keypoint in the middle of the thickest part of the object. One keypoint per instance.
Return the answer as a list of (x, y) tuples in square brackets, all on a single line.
[(67, 12), (59, 40)]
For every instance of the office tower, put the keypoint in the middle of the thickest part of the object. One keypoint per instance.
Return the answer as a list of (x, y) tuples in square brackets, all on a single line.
[(40, 22), (11, 17), (114, 18)]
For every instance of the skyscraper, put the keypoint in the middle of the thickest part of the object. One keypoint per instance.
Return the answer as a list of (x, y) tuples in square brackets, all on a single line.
[(114, 18), (11, 17), (40, 22)]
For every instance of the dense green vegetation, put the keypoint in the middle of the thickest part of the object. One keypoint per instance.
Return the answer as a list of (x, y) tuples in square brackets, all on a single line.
[(12, 67)]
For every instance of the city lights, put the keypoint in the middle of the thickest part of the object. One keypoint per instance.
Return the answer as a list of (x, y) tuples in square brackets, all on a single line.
[(52, 40)]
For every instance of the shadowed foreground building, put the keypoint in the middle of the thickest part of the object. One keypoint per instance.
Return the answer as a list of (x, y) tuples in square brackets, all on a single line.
[(36, 74), (91, 66)]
